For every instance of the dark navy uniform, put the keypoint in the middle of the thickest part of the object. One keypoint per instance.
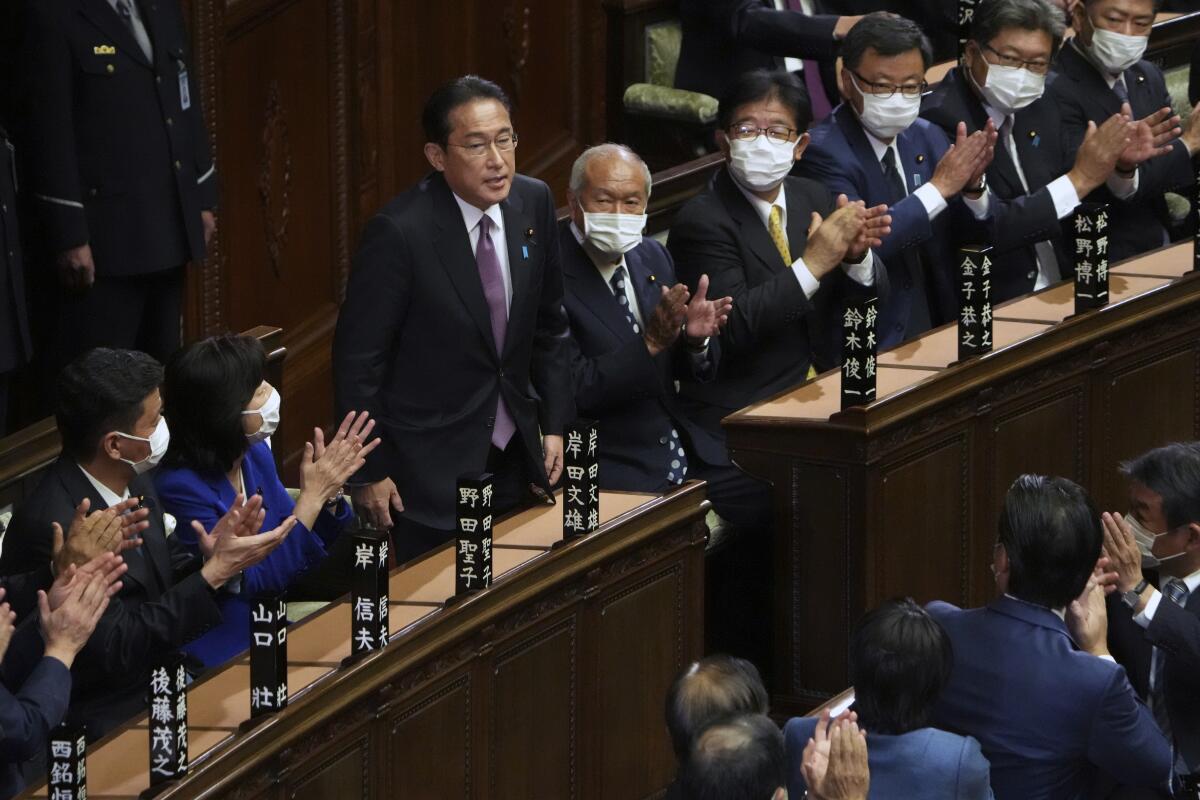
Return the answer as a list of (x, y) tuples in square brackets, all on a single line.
[(119, 160), (15, 347)]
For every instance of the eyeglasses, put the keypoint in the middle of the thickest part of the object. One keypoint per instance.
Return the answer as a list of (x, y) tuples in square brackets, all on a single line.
[(776, 134), (1037, 67), (504, 143), (888, 89)]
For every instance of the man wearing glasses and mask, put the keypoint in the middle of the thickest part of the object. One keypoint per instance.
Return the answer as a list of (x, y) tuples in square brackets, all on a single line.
[(1154, 632), (452, 334), (875, 148), (1002, 80)]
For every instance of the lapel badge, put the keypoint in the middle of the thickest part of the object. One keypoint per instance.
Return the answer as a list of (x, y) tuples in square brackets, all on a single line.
[(1141, 79), (652, 279), (1036, 140), (920, 158), (104, 50), (529, 233)]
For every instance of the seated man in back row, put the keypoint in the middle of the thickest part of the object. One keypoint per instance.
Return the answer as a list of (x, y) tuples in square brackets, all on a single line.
[(786, 252), (634, 331)]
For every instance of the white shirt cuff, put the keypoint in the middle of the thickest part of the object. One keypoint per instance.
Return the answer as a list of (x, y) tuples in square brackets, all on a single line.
[(808, 283), (980, 206), (862, 273), (932, 199), (1063, 193), (1108, 658), (1123, 188), (1147, 614)]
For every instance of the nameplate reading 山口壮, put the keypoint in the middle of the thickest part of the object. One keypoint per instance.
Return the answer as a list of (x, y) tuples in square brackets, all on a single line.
[(369, 622), (966, 16), (473, 542), (581, 479), (268, 654), (168, 720), (974, 301), (859, 323), (66, 770), (1089, 232)]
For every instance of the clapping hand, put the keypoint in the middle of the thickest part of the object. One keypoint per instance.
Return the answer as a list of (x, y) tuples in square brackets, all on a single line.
[(966, 160), (877, 223), (235, 543), (1087, 616), (109, 567), (706, 317), (1151, 137), (666, 320), (67, 628), (112, 530), (325, 467), (831, 239), (1121, 551), (834, 761), (8, 624)]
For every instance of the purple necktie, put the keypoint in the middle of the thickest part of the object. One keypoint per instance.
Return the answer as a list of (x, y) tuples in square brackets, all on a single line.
[(492, 277), (812, 77)]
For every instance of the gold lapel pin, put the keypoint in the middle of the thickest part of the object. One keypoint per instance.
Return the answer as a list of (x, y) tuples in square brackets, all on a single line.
[(920, 159), (529, 233)]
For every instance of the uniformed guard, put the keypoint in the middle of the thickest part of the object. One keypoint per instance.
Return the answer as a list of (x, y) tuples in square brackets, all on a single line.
[(123, 183)]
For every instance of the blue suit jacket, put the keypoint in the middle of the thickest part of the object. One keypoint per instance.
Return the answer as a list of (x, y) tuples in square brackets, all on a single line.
[(189, 496), (618, 383), (841, 158), (34, 691), (1053, 721), (926, 763)]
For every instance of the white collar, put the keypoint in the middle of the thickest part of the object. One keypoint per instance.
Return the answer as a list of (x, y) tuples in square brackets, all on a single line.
[(607, 268), (1061, 613), (1191, 581), (762, 207), (472, 215), (1109, 78), (109, 497), (880, 147)]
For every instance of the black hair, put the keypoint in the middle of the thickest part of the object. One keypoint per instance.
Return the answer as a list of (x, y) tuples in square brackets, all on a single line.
[(435, 118), (739, 758), (1173, 473), (900, 658), (888, 35), (709, 689), (101, 391), (1051, 532), (995, 16), (208, 384), (763, 84)]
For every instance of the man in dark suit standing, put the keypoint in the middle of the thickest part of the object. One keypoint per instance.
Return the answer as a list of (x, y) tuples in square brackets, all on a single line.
[(1002, 78), (875, 148), (633, 331), (1155, 631), (1033, 679), (782, 247), (1101, 72), (452, 334), (109, 414), (122, 181), (725, 38), (15, 345)]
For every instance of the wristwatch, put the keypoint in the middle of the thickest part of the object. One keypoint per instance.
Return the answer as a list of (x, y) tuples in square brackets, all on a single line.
[(695, 348), (980, 189), (1134, 596)]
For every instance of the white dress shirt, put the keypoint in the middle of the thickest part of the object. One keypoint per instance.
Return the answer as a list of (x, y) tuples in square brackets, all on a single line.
[(110, 499), (929, 195), (139, 27), (609, 268), (471, 216), (862, 273), (1122, 188), (789, 63), (1144, 619)]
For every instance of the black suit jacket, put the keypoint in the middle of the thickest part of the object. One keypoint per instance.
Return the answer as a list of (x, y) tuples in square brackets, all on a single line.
[(630, 393), (724, 38), (164, 601), (414, 342), (1176, 632), (115, 160), (1082, 95), (15, 345), (1026, 218), (774, 333)]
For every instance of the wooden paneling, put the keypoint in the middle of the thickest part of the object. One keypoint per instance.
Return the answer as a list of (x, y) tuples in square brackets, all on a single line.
[(341, 771), (441, 719)]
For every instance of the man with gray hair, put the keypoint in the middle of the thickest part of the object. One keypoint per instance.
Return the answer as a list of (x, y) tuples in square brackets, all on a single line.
[(1002, 77), (635, 331)]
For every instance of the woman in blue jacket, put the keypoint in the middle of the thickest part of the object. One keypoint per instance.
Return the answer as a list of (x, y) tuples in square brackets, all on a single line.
[(222, 414)]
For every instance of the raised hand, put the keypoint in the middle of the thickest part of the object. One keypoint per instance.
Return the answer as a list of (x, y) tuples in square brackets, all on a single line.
[(67, 628), (877, 223), (706, 317), (984, 160), (1087, 618), (829, 240), (1121, 550), (238, 520), (325, 468), (666, 320), (238, 545), (1152, 137), (1098, 154), (834, 762), (112, 530), (110, 567), (961, 162)]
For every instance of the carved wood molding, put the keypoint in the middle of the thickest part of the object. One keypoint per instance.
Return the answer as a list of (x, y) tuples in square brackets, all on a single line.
[(275, 177), (515, 21), (207, 26)]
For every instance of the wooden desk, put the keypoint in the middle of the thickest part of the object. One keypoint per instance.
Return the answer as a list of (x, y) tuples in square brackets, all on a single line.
[(550, 684), (901, 497)]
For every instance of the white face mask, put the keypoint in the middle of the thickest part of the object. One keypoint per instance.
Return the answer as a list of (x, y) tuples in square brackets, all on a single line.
[(1116, 52), (270, 417), (158, 442), (1009, 89), (1145, 541), (613, 234), (887, 117), (761, 165)]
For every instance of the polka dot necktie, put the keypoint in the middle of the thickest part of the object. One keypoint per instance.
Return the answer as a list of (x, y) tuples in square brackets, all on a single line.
[(676, 457)]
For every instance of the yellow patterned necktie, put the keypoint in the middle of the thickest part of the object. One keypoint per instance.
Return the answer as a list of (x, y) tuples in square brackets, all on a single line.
[(778, 235)]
